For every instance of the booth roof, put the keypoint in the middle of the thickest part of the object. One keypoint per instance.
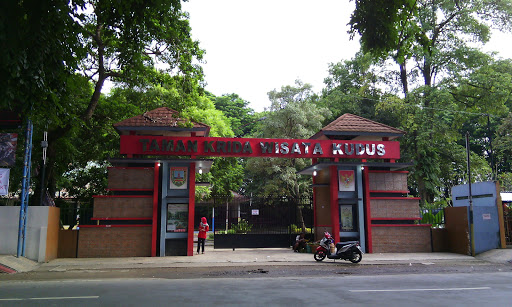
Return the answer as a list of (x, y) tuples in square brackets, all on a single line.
[(161, 118), (353, 125)]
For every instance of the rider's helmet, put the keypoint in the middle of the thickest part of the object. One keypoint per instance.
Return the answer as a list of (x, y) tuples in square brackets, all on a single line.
[(327, 235)]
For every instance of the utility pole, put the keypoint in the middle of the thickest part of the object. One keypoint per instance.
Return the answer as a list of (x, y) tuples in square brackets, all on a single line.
[(470, 197), (44, 146)]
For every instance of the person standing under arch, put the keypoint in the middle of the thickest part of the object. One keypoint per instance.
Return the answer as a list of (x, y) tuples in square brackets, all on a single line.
[(201, 236)]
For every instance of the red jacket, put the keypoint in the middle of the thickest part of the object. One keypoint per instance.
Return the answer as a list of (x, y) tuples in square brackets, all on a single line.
[(203, 228)]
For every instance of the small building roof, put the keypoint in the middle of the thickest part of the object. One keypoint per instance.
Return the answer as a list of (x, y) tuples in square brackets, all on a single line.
[(161, 121), (350, 126)]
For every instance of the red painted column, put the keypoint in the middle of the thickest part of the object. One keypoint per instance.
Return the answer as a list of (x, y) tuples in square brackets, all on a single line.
[(313, 162), (314, 203), (156, 186), (191, 208), (335, 210), (367, 210)]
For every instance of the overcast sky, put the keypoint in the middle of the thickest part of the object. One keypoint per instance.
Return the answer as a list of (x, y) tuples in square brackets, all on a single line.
[(253, 47)]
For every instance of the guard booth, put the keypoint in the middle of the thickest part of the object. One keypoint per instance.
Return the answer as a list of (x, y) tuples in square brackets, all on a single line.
[(150, 211), (361, 194), (359, 189)]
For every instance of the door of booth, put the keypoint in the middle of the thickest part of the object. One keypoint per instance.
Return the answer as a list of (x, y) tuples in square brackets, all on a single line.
[(350, 201)]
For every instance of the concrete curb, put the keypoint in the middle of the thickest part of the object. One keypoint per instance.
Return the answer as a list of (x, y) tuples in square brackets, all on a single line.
[(11, 264), (503, 256), (246, 257)]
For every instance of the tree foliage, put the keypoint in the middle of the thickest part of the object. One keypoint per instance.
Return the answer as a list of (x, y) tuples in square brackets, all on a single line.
[(293, 114), (353, 87), (56, 50), (238, 111), (40, 49), (427, 35), (449, 85)]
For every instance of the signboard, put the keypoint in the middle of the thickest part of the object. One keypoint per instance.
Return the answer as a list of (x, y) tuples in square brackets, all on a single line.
[(177, 217), (4, 181), (255, 211), (252, 147), (347, 218), (8, 142), (486, 216), (346, 181), (178, 180)]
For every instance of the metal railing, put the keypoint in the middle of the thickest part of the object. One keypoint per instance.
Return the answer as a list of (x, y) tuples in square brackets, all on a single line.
[(74, 212)]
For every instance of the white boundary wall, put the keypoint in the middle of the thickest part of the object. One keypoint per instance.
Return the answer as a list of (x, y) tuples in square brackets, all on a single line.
[(37, 226)]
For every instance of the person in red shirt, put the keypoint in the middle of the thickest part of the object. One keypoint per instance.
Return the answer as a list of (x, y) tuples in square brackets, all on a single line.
[(201, 236)]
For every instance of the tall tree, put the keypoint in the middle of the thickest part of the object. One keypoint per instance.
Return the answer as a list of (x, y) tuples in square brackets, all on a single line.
[(41, 47), (101, 39), (430, 41), (238, 111), (87, 148), (423, 36), (294, 113), (503, 150), (353, 86)]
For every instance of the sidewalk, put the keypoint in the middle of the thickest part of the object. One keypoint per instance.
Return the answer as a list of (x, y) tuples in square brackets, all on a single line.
[(241, 257)]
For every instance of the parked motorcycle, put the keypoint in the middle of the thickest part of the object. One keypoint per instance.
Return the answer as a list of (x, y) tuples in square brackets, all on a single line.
[(350, 251)]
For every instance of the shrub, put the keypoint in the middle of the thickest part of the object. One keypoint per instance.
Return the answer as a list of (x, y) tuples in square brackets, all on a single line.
[(242, 227), (294, 229)]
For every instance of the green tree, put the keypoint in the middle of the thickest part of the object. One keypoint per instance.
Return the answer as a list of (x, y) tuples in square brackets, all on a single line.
[(294, 113), (353, 87), (98, 141), (503, 149), (238, 111), (432, 42), (428, 33), (41, 47), (100, 39)]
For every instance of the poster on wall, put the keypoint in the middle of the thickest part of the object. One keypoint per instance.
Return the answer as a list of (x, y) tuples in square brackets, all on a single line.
[(347, 218), (177, 217), (4, 181), (178, 178), (8, 143), (346, 181)]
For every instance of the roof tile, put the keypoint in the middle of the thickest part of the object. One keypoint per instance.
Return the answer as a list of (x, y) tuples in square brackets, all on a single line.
[(353, 123), (160, 117)]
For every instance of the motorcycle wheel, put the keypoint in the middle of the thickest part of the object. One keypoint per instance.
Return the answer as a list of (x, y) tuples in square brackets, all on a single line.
[(319, 256), (356, 256)]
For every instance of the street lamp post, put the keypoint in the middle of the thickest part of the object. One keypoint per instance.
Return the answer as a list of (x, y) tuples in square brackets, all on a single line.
[(44, 145)]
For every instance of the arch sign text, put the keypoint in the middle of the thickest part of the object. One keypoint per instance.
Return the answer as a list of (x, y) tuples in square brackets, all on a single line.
[(253, 147)]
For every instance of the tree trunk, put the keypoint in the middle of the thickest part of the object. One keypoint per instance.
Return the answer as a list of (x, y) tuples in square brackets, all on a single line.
[(300, 217), (403, 78), (55, 135)]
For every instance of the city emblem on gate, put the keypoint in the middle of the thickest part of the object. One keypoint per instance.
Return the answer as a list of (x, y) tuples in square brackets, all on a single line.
[(178, 177)]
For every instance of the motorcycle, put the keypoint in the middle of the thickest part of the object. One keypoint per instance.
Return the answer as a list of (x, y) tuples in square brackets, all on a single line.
[(350, 251)]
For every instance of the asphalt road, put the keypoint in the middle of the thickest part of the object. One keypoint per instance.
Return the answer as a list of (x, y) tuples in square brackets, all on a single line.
[(321, 269), (432, 289)]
